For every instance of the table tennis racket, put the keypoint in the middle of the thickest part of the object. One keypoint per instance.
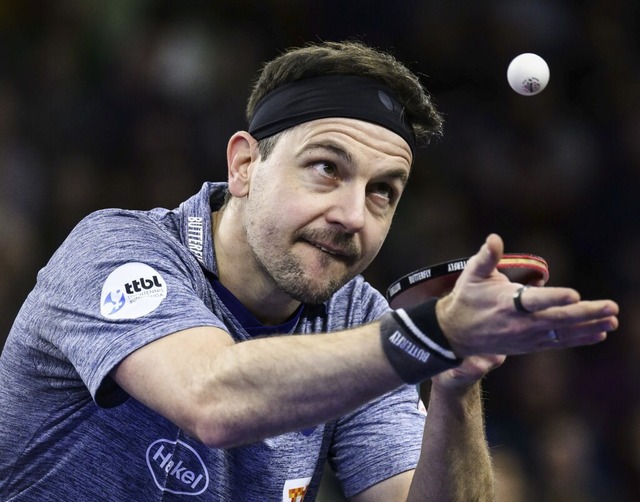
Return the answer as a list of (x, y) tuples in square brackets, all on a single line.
[(438, 280)]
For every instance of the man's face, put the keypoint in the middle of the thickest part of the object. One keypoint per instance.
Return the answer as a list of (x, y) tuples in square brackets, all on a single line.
[(320, 206)]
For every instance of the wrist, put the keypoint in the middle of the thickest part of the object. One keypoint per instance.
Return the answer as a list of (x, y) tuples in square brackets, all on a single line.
[(447, 325), (444, 387), (414, 343)]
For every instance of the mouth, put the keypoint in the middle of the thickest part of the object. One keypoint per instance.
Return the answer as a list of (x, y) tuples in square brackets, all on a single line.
[(329, 249), (340, 247), (348, 256)]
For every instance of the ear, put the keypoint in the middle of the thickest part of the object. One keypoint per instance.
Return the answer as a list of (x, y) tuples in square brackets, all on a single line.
[(242, 152)]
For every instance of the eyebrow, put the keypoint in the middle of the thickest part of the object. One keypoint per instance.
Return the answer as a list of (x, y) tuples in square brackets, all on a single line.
[(332, 147), (399, 174)]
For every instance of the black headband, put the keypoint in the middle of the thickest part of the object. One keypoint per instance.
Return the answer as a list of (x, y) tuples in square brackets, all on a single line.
[(314, 98)]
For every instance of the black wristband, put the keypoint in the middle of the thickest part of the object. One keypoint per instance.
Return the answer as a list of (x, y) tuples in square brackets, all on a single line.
[(414, 343)]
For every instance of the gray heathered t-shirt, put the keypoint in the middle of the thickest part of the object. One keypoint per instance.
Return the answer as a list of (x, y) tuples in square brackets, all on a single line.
[(121, 280)]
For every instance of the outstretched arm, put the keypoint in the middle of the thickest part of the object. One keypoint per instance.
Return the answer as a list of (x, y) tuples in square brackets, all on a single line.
[(455, 463), (228, 393)]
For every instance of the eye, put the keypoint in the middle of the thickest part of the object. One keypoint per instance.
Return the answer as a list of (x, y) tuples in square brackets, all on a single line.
[(383, 190), (325, 168)]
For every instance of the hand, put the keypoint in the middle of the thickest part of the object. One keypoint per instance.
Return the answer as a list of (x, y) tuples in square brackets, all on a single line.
[(479, 315), (472, 370)]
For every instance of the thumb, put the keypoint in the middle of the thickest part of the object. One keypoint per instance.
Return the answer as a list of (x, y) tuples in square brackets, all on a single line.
[(485, 261)]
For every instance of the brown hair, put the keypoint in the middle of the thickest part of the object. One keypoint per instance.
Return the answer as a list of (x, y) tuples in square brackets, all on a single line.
[(349, 58)]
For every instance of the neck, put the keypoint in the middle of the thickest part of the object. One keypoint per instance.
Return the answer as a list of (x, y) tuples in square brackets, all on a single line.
[(239, 272)]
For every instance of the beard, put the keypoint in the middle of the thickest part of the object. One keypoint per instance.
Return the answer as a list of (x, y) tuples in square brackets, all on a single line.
[(288, 272), (291, 279)]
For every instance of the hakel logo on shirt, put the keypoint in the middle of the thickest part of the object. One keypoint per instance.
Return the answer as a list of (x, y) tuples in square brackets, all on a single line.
[(295, 489), (131, 291), (177, 468)]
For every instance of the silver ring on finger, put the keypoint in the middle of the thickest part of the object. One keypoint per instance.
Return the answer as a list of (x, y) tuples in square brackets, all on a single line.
[(517, 300)]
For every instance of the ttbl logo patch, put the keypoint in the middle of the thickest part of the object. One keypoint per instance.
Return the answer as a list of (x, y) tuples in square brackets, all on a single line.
[(132, 290)]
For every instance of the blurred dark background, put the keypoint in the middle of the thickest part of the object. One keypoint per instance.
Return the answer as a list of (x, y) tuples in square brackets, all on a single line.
[(129, 103)]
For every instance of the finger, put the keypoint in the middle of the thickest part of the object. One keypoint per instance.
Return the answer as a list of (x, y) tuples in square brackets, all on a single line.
[(573, 342), (563, 341), (529, 299), (485, 261), (488, 362), (472, 369), (480, 365), (604, 311), (586, 333)]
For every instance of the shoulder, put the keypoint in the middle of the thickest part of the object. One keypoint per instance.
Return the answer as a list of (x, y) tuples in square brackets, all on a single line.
[(357, 302), (108, 239), (112, 231), (360, 292), (114, 220)]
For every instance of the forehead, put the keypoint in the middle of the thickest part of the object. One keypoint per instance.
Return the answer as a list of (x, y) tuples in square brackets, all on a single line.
[(357, 137)]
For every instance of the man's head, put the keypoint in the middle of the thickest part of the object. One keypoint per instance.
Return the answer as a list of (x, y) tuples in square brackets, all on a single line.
[(354, 59), (315, 181)]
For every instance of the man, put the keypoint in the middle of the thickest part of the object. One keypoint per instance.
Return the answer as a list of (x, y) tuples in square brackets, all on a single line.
[(224, 350)]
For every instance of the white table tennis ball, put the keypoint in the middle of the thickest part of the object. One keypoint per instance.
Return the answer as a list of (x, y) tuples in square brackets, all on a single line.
[(528, 74)]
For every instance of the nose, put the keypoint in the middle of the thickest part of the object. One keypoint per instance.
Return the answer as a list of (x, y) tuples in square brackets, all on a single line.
[(348, 208)]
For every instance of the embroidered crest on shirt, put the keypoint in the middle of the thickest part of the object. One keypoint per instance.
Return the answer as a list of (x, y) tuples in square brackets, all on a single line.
[(131, 291), (295, 489)]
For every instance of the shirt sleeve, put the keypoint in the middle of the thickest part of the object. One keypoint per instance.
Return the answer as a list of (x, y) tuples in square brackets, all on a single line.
[(382, 438), (377, 441), (117, 283)]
